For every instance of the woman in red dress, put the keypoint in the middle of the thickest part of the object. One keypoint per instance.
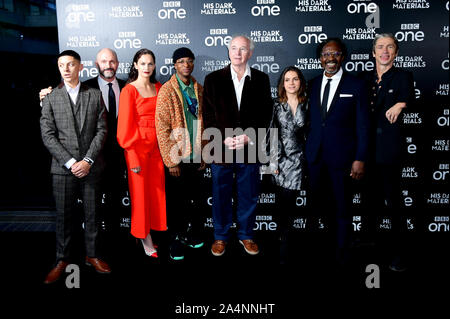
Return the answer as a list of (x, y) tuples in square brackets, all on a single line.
[(136, 134)]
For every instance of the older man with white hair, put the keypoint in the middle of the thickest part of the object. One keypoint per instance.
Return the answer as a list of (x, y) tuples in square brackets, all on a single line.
[(236, 101)]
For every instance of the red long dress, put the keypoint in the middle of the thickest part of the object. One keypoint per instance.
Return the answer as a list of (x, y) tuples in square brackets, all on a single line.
[(137, 135)]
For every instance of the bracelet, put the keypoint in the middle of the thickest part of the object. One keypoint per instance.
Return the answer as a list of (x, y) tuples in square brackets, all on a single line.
[(88, 160)]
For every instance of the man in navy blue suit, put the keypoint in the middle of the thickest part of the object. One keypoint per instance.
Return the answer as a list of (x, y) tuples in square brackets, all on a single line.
[(337, 143)]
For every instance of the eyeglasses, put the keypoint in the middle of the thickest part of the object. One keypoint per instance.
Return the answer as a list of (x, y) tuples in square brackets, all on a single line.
[(190, 61), (331, 54)]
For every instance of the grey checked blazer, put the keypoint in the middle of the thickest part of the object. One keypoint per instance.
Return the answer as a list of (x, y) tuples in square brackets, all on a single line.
[(59, 133)]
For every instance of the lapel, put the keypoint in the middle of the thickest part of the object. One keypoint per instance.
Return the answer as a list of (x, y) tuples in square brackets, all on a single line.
[(83, 103), (121, 83), (66, 105), (316, 92), (246, 92), (94, 83), (337, 93)]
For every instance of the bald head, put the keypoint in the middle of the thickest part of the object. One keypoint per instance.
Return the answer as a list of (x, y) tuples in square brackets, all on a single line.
[(107, 64)]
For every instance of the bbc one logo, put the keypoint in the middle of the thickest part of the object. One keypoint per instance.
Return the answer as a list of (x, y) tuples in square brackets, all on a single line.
[(359, 7), (127, 40), (312, 34), (266, 64), (300, 201), (440, 224), (217, 37), (265, 8), (410, 32), (411, 147), (444, 64), (373, 19), (357, 223), (408, 200), (265, 222), (171, 10), (359, 62), (77, 14), (444, 119), (441, 173), (168, 68)]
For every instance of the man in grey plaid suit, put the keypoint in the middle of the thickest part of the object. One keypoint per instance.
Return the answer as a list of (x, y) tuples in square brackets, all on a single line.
[(73, 128)]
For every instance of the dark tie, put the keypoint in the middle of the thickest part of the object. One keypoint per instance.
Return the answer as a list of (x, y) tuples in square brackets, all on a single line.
[(111, 103), (111, 109), (326, 93)]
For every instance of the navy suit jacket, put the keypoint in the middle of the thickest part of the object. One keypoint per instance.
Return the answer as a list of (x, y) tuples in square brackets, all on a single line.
[(341, 137)]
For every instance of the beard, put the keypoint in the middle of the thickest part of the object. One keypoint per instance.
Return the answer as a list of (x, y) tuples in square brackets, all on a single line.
[(107, 73)]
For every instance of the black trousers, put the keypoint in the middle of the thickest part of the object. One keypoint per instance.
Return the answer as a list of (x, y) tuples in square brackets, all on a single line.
[(382, 198), (182, 198), (286, 205), (66, 190), (330, 189), (113, 184)]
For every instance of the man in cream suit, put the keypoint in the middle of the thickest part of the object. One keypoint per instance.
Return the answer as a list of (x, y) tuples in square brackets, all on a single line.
[(73, 128)]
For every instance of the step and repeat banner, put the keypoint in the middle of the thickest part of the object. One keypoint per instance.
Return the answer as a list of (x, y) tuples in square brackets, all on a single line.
[(287, 32)]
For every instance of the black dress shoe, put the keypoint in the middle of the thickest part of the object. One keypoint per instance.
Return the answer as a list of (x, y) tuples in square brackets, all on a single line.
[(177, 250), (397, 265)]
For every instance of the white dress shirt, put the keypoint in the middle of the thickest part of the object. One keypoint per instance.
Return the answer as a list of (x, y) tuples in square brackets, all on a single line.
[(333, 86), (103, 85), (73, 92), (239, 85)]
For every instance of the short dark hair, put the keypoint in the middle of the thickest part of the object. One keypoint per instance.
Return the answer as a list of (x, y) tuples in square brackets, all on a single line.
[(338, 41), (71, 53)]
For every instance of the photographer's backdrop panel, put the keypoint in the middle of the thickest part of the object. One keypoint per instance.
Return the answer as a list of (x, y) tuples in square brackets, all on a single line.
[(287, 32)]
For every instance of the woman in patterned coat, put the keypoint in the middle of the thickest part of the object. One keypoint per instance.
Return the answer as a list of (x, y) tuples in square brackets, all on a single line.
[(287, 155)]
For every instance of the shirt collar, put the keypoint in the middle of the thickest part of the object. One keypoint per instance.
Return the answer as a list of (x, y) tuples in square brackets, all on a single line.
[(388, 73), (102, 82), (247, 72), (74, 90), (183, 86), (336, 76)]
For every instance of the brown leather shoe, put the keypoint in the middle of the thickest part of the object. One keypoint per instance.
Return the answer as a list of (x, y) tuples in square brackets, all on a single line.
[(218, 247), (250, 246), (56, 272), (100, 266)]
